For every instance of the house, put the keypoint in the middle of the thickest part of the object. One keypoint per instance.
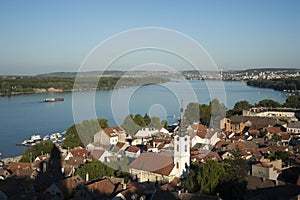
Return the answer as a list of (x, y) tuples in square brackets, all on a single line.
[(132, 151), (100, 189), (78, 152), (206, 155), (269, 170), (98, 154), (147, 132), (241, 124), (208, 138), (279, 113), (294, 128), (21, 168), (136, 190), (153, 167), (110, 136)]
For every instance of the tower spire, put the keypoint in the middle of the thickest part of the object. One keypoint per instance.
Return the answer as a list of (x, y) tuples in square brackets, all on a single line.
[(181, 113)]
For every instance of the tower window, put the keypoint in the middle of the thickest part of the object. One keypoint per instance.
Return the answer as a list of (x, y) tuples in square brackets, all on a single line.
[(177, 138), (177, 147), (185, 148), (185, 139)]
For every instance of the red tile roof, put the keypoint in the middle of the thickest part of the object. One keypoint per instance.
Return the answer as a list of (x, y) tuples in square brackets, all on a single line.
[(285, 136), (120, 144), (221, 144), (165, 170), (79, 152), (103, 187), (133, 149), (276, 147), (118, 128), (110, 132), (19, 165), (199, 127), (273, 129)]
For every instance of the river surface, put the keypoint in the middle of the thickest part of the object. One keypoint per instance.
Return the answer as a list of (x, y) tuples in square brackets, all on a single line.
[(24, 115)]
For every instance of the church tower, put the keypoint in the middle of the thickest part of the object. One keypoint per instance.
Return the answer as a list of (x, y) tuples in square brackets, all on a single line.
[(181, 148)]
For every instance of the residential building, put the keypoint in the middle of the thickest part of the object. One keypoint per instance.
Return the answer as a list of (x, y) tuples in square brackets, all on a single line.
[(294, 128), (269, 170), (110, 136)]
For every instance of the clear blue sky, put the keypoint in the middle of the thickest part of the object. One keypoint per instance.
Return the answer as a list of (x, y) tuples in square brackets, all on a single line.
[(47, 36)]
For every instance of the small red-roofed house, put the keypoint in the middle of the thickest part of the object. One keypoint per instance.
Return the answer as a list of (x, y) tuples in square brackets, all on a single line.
[(200, 135), (78, 152), (132, 151)]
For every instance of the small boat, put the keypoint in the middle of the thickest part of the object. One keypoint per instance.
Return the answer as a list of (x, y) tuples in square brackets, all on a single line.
[(54, 99)]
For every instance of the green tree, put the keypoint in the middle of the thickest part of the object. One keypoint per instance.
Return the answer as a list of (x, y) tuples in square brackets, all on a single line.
[(72, 138), (139, 120), (205, 114), (81, 134), (95, 169), (164, 123), (276, 155), (205, 177), (292, 101), (39, 149), (276, 137), (233, 184), (147, 119), (103, 123), (239, 107), (268, 103)]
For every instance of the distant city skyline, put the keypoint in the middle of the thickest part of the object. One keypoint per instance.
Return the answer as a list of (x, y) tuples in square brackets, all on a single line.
[(55, 36)]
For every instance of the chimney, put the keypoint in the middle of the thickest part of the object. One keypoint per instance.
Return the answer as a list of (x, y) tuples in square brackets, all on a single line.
[(87, 177)]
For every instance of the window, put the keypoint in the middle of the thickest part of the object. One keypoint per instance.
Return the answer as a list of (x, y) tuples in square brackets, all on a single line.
[(185, 148), (185, 139), (177, 147), (177, 138), (177, 165)]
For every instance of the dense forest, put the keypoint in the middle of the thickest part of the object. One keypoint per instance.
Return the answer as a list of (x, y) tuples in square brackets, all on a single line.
[(284, 84), (20, 85)]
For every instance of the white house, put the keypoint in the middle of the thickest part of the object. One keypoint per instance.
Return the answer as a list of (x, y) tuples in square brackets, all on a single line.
[(208, 138), (146, 132), (132, 151), (158, 167), (294, 128)]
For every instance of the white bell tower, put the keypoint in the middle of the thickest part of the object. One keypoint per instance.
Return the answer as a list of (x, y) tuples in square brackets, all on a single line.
[(181, 149)]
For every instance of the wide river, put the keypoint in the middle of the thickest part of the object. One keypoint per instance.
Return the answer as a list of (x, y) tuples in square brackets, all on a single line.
[(24, 115)]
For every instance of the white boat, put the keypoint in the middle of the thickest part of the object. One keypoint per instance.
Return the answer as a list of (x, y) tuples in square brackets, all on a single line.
[(46, 138), (36, 138), (53, 137)]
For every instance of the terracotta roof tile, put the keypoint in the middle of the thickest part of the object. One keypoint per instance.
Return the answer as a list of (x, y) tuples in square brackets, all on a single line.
[(273, 129), (79, 152), (165, 170), (19, 165), (133, 149)]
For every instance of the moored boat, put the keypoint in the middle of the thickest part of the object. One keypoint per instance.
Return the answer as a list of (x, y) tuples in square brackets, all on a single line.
[(54, 99)]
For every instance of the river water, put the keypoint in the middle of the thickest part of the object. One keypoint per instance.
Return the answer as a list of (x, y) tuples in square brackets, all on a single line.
[(24, 115)]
